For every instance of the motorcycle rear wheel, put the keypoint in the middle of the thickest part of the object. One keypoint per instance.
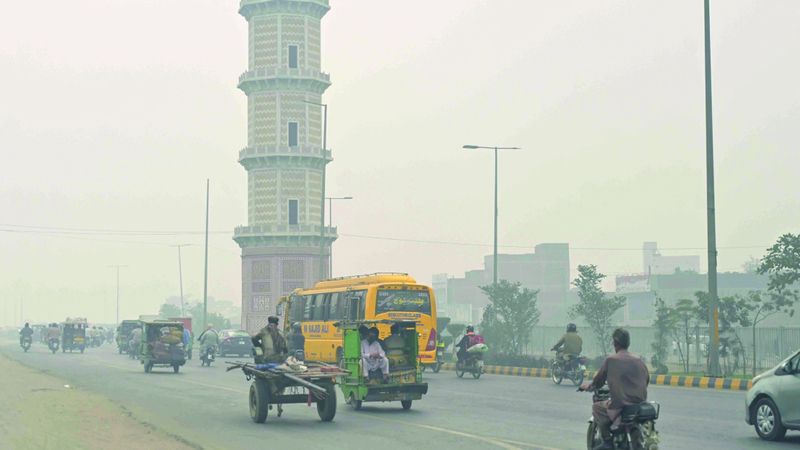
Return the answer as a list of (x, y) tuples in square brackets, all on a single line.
[(636, 439), (577, 379), (437, 367), (477, 373)]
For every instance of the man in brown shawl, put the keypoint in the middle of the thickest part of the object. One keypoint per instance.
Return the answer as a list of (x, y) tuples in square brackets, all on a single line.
[(272, 342)]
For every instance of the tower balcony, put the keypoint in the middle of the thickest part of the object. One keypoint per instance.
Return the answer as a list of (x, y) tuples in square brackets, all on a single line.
[(282, 235), (268, 156), (313, 8), (274, 78)]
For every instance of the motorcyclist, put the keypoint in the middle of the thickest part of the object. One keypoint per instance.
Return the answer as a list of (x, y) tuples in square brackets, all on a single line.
[(52, 332), (465, 343), (208, 339), (571, 342), (627, 377), (134, 339), (295, 339), (26, 331)]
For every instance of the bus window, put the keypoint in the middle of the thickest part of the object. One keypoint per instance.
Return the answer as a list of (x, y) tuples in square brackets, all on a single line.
[(326, 307), (310, 309), (356, 305), (335, 307), (389, 300), (319, 307), (298, 308)]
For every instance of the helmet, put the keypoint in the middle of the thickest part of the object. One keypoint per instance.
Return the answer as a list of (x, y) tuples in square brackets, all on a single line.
[(572, 328), (470, 329), (297, 327)]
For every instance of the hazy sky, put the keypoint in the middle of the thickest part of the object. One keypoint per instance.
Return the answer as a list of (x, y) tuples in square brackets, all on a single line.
[(113, 113)]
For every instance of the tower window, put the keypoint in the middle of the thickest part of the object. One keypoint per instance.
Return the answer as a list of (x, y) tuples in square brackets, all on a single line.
[(293, 57), (293, 134), (293, 212)]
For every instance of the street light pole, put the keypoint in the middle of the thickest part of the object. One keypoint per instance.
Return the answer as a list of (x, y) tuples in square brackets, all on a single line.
[(713, 353), (117, 267), (330, 224), (322, 203), (494, 278), (180, 274)]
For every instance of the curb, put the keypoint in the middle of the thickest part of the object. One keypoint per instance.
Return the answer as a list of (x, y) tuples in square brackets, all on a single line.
[(733, 384)]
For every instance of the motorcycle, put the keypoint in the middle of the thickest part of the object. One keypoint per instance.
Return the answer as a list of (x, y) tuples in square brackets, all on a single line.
[(574, 369), (26, 344), (439, 359), (207, 356), (637, 430), (52, 343), (471, 364)]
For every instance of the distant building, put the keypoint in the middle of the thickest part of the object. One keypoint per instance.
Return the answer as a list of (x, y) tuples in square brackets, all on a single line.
[(547, 269), (656, 264)]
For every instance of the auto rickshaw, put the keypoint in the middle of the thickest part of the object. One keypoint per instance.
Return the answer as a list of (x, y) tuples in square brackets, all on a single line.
[(73, 335), (123, 332), (162, 344), (405, 377)]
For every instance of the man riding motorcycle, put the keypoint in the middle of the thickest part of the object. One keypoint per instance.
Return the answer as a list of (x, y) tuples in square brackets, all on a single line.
[(52, 332), (469, 339), (208, 339), (627, 377), (26, 332), (572, 345)]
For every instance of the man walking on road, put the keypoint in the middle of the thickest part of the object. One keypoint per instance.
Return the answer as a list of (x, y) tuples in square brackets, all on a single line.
[(627, 378)]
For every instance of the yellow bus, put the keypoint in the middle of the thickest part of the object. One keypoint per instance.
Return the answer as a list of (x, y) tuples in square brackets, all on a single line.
[(368, 297)]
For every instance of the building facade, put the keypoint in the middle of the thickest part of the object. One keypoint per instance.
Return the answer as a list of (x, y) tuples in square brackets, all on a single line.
[(284, 157)]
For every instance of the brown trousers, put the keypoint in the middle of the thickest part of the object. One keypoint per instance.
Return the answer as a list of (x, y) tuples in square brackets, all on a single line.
[(601, 418)]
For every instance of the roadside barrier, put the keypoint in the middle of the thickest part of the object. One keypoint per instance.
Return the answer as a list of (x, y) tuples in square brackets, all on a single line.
[(660, 380)]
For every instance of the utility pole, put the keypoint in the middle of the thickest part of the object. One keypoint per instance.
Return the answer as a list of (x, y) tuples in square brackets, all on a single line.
[(495, 199), (322, 200), (117, 267), (713, 353), (180, 273), (205, 274)]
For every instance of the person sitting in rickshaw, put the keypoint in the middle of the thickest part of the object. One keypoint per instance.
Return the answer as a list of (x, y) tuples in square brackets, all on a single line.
[(373, 357), (272, 343)]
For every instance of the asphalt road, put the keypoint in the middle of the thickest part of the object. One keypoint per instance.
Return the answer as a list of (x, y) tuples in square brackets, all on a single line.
[(208, 407)]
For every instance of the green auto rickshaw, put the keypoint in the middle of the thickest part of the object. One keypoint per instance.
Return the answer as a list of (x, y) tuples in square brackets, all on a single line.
[(404, 382), (162, 344), (123, 331), (73, 335)]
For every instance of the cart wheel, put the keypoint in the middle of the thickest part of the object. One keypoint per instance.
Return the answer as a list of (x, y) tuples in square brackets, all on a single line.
[(355, 403), (82, 348), (406, 404), (327, 408), (176, 368), (147, 368), (259, 401)]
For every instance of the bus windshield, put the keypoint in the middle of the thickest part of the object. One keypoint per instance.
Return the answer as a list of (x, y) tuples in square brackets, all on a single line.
[(394, 300)]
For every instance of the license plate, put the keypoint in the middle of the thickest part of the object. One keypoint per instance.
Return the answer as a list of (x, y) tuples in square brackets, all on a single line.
[(583, 367), (241, 343), (78, 339)]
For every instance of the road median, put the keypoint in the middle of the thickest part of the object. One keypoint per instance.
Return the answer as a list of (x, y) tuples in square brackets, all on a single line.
[(734, 384)]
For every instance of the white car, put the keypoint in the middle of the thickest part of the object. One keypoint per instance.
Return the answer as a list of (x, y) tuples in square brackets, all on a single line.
[(773, 403)]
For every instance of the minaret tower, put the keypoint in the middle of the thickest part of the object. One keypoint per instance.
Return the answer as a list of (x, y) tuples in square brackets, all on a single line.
[(284, 156)]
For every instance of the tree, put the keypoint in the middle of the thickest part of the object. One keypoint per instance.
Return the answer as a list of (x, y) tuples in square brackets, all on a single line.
[(168, 311), (684, 313), (762, 306), (782, 263), (752, 265), (593, 305), (508, 322), (733, 312), (664, 324), (196, 312)]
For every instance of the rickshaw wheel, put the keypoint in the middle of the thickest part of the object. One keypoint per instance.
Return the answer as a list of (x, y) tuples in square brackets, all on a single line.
[(406, 404), (259, 401), (147, 367), (327, 408), (355, 403), (82, 348), (176, 368)]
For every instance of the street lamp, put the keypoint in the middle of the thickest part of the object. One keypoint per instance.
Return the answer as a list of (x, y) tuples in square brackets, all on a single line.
[(495, 198), (180, 274), (330, 224), (117, 267), (322, 202)]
